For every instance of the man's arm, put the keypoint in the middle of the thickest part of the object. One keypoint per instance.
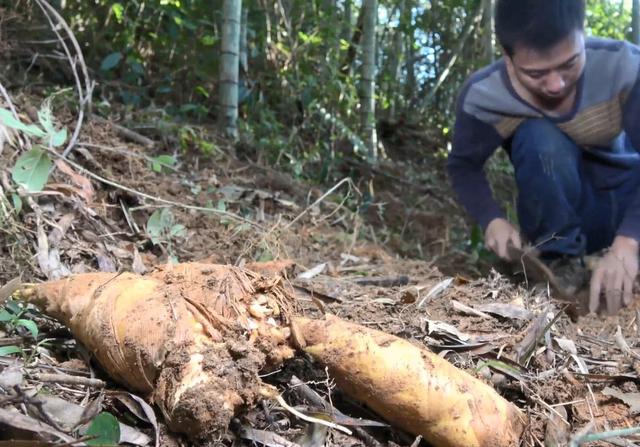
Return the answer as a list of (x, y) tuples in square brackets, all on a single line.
[(616, 272), (630, 226), (473, 143)]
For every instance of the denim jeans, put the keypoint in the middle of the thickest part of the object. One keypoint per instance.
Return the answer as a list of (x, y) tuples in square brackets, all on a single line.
[(570, 203)]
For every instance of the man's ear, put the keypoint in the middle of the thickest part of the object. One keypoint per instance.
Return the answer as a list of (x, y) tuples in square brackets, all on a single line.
[(508, 60)]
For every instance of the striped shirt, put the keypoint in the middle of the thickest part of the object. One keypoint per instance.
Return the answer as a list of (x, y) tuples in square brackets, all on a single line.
[(605, 113)]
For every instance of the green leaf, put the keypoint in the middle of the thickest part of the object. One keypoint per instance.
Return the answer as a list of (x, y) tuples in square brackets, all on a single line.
[(5, 316), (32, 170), (203, 91), (8, 119), (159, 224), (162, 161), (30, 325), (17, 202), (106, 430), (208, 40), (111, 61), (45, 117), (118, 11), (154, 227), (58, 138), (13, 307), (6, 350), (178, 230)]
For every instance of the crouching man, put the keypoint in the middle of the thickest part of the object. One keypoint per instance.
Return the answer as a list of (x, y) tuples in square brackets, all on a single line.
[(566, 108)]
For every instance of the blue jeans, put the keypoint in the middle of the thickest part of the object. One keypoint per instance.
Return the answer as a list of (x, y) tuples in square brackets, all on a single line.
[(570, 202)]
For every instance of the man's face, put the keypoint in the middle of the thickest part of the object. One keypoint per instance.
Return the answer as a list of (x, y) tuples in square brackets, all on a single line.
[(550, 75)]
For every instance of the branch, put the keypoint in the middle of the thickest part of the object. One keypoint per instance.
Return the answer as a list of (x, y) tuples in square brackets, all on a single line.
[(454, 58), (84, 95)]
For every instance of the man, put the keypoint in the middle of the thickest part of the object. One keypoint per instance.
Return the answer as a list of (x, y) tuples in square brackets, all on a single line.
[(566, 108)]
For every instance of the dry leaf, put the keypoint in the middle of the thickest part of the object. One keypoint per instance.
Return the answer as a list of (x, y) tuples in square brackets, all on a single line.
[(14, 419), (631, 399), (138, 265), (558, 429), (313, 272), (503, 310), (86, 188), (57, 234)]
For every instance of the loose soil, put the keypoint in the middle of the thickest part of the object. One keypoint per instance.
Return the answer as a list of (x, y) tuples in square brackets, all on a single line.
[(413, 229)]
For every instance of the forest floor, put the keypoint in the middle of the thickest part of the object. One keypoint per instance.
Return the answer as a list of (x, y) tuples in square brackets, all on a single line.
[(399, 265)]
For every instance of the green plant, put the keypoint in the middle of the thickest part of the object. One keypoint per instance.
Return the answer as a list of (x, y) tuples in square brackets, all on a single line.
[(162, 163), (11, 316), (32, 168), (104, 429), (163, 230)]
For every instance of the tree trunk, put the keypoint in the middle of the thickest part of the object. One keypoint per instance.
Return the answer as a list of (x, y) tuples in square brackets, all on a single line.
[(367, 102), (244, 58), (394, 71), (229, 67), (347, 25), (406, 23), (488, 24), (635, 22)]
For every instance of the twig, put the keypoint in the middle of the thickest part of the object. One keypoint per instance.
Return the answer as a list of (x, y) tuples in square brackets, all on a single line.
[(313, 420), (126, 133), (394, 281), (70, 380), (83, 96), (7, 98), (584, 435), (324, 196)]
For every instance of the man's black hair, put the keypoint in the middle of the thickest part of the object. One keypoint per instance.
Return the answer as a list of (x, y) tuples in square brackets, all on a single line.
[(537, 24)]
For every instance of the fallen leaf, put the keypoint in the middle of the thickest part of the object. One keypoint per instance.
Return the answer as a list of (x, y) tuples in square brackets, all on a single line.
[(131, 435), (631, 399), (567, 345), (558, 429), (138, 265), (436, 291), (86, 188), (463, 308), (11, 376), (60, 229), (503, 310), (43, 248), (141, 410), (313, 272), (267, 438), (105, 264), (13, 418), (315, 436), (66, 415), (440, 327)]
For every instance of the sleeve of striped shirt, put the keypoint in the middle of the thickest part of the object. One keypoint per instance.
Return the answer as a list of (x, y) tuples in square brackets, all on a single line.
[(630, 225), (473, 143)]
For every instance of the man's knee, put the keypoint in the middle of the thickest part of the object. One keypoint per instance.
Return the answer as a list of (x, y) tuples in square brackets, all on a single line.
[(542, 138)]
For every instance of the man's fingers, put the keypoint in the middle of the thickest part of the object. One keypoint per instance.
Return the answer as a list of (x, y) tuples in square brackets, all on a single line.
[(594, 292), (515, 239), (491, 245), (613, 284), (502, 249), (627, 294)]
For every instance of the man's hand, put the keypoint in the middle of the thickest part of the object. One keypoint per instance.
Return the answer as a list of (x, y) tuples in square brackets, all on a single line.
[(499, 234), (614, 275)]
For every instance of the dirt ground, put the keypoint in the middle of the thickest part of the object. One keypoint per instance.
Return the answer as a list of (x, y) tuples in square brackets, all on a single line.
[(398, 266)]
